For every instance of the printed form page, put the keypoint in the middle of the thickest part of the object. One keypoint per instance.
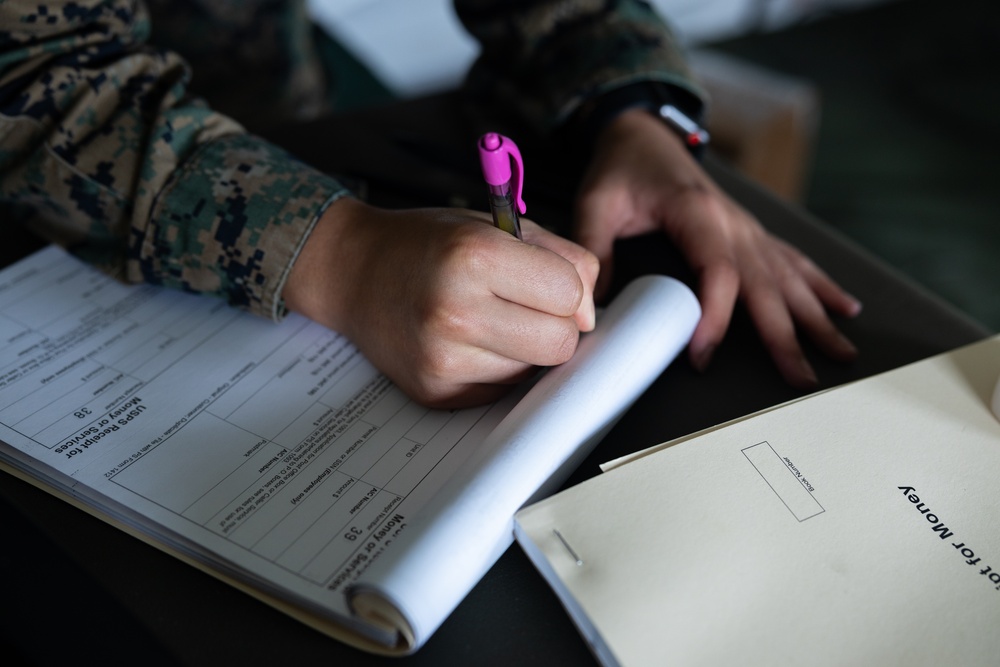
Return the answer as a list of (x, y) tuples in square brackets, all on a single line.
[(277, 447)]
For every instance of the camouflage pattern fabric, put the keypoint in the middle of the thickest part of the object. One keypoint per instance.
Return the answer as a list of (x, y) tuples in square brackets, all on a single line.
[(254, 60), (548, 57), (106, 149)]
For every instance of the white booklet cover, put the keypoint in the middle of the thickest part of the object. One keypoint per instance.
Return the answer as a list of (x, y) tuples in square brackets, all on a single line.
[(276, 457), (858, 526)]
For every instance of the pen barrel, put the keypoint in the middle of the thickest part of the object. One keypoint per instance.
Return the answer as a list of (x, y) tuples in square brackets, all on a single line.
[(504, 212)]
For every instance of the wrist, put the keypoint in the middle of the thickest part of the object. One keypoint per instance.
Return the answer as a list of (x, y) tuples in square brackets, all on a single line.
[(638, 125), (321, 279), (677, 109)]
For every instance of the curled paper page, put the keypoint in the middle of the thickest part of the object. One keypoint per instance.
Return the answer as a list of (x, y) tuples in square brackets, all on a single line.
[(995, 405), (451, 544)]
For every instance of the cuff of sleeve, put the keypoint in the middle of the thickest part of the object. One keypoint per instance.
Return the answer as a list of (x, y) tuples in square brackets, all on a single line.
[(592, 117), (231, 223)]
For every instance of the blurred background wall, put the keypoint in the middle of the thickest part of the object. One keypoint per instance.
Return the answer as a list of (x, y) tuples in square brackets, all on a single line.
[(881, 117)]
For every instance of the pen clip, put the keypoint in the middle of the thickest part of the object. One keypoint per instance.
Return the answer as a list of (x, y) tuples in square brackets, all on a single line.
[(495, 154)]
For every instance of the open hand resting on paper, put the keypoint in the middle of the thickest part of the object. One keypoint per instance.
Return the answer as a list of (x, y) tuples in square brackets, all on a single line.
[(642, 179), (452, 309)]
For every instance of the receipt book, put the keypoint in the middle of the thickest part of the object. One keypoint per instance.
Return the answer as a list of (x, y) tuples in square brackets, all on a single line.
[(276, 457)]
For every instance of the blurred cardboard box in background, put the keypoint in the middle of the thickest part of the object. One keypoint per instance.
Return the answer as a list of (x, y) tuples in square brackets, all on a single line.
[(762, 122)]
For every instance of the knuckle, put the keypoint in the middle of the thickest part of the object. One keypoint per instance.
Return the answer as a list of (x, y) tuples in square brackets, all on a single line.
[(443, 331), (727, 272), (470, 249), (433, 370), (438, 316), (572, 297), (785, 276), (697, 195), (566, 282), (723, 276), (589, 262), (446, 323), (561, 346), (459, 253), (780, 337)]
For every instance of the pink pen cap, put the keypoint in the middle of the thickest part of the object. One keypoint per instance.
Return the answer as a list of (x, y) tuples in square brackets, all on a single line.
[(505, 182), (495, 154)]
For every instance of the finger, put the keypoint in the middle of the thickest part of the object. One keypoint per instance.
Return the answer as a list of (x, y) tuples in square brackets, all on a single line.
[(533, 276), (718, 291), (770, 315), (830, 294), (522, 334), (709, 251), (586, 263), (811, 317)]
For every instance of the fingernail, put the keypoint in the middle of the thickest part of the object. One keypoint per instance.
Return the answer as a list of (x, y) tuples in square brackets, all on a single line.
[(700, 360), (848, 348), (807, 373)]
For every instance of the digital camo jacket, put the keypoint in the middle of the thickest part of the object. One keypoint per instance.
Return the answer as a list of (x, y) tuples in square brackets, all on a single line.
[(105, 149)]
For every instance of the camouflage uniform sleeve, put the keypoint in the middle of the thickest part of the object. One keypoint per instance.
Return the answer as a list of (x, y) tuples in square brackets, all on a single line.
[(101, 142), (547, 57)]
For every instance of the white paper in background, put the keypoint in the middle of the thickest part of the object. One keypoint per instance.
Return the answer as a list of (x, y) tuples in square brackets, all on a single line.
[(419, 46), (854, 527), (414, 47), (642, 331)]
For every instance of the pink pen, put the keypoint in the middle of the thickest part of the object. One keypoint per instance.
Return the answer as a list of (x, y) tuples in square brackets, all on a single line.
[(495, 154)]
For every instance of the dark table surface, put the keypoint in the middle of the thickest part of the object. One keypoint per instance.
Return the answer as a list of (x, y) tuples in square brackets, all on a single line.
[(78, 589)]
